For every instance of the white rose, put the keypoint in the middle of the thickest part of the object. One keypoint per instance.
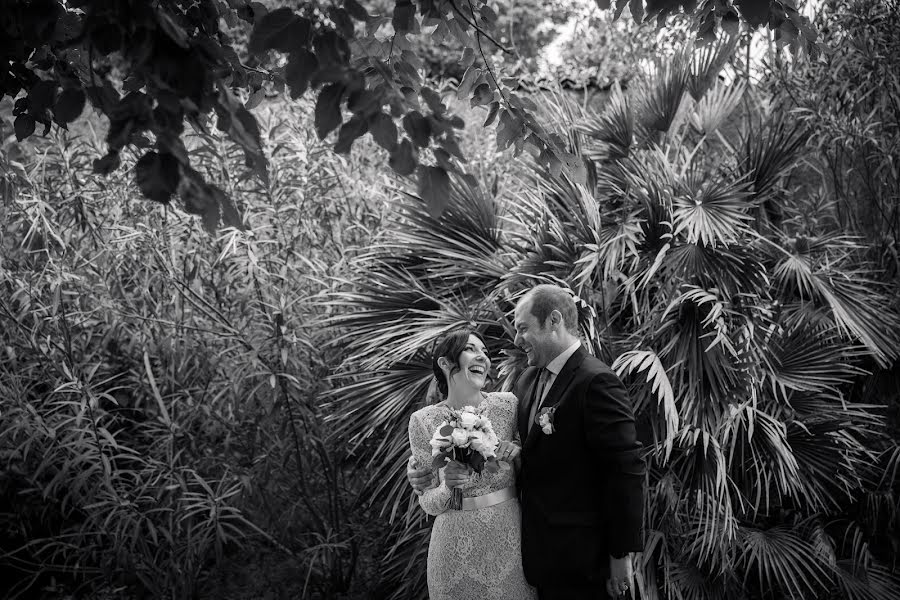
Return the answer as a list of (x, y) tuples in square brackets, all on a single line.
[(478, 442), (460, 438), (468, 420)]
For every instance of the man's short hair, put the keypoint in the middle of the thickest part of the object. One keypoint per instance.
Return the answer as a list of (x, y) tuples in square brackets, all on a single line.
[(546, 298)]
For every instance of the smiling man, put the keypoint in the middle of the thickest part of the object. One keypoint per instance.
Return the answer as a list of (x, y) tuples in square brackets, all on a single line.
[(581, 481), (582, 475)]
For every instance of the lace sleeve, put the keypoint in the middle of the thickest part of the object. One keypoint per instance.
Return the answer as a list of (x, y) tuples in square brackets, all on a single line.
[(434, 500)]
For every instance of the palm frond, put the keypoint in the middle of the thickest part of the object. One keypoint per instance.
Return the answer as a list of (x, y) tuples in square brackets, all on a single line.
[(783, 561), (636, 361), (663, 93), (712, 211), (613, 127), (706, 63), (768, 154), (809, 359), (716, 106)]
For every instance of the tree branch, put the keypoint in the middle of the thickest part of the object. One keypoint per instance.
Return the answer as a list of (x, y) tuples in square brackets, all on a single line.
[(478, 30)]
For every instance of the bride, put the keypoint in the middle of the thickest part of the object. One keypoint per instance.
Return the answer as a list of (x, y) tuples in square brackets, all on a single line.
[(475, 552)]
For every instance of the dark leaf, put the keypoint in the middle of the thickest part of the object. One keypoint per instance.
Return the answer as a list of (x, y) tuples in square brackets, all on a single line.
[(434, 188), (446, 430), (602, 4), (443, 159), (404, 16), (449, 144), (175, 32), (356, 10), (488, 14), (69, 105), (255, 98), (730, 23), (492, 113), (417, 127), (433, 100), (755, 12), (508, 130), (231, 217), (440, 460), (468, 81), (280, 30), (157, 176), (364, 102), (402, 159), (300, 69), (24, 126), (41, 97), (342, 21), (383, 130), (355, 128), (637, 10), (328, 109), (482, 95), (331, 49), (106, 165)]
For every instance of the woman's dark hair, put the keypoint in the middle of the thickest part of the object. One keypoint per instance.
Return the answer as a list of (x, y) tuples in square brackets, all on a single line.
[(450, 346)]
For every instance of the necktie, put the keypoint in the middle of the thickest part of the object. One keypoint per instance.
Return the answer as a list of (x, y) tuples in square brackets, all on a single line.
[(538, 396)]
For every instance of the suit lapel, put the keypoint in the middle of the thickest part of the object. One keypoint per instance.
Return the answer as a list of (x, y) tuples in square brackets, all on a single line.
[(529, 380), (557, 391)]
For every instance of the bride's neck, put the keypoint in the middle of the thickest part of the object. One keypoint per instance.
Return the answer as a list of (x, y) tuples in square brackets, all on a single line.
[(458, 398)]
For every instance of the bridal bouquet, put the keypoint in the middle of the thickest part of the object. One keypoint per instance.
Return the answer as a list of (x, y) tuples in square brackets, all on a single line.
[(468, 437)]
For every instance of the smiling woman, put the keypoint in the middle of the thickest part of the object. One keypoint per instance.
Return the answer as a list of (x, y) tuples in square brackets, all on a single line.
[(475, 546), (460, 357)]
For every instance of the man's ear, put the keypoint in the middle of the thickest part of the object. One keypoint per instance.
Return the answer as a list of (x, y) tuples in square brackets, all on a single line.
[(555, 317)]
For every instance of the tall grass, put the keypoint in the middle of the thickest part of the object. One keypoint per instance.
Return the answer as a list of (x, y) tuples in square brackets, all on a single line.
[(160, 386)]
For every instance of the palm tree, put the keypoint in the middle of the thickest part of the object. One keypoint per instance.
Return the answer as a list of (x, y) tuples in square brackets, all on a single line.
[(739, 330)]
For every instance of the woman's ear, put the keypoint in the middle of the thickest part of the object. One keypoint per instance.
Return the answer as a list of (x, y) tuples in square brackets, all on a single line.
[(443, 363)]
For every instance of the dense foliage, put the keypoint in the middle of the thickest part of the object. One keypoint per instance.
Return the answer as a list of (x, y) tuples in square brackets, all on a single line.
[(153, 67), (159, 387), (752, 336), (186, 414)]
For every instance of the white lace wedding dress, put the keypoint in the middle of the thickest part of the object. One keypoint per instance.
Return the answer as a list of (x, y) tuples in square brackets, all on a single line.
[(473, 554)]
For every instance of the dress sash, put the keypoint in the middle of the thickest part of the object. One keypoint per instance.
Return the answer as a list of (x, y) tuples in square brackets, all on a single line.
[(476, 502)]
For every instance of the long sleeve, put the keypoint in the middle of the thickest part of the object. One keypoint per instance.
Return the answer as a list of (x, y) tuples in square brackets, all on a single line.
[(610, 429), (434, 500)]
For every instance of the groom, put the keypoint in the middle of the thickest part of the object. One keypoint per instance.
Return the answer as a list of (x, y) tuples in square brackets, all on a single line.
[(582, 476)]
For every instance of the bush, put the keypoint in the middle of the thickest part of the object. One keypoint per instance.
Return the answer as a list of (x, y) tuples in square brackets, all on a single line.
[(161, 385)]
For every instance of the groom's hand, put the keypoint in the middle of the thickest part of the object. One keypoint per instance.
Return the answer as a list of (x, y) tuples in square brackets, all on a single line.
[(507, 451), (621, 576), (419, 479)]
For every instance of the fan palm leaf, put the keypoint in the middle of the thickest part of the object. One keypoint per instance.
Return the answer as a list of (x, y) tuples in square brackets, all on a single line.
[(613, 128), (770, 153), (663, 93), (781, 560), (716, 106), (711, 210), (706, 62)]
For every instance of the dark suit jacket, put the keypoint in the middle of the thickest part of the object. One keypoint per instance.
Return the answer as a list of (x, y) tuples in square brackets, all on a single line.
[(582, 487)]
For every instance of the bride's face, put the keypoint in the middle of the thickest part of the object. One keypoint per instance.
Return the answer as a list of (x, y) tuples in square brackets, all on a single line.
[(474, 365)]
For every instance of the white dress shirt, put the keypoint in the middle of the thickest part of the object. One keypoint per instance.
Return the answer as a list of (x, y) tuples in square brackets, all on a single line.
[(556, 365)]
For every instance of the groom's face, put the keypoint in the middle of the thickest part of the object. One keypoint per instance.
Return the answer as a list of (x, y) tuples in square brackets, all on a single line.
[(537, 341)]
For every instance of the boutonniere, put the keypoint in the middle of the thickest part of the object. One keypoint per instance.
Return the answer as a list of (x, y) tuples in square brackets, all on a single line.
[(544, 418)]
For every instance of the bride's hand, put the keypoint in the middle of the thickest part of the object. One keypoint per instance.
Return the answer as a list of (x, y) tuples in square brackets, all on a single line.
[(507, 451), (456, 474)]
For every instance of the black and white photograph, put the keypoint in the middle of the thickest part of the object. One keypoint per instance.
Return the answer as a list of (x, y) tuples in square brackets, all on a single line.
[(450, 300)]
